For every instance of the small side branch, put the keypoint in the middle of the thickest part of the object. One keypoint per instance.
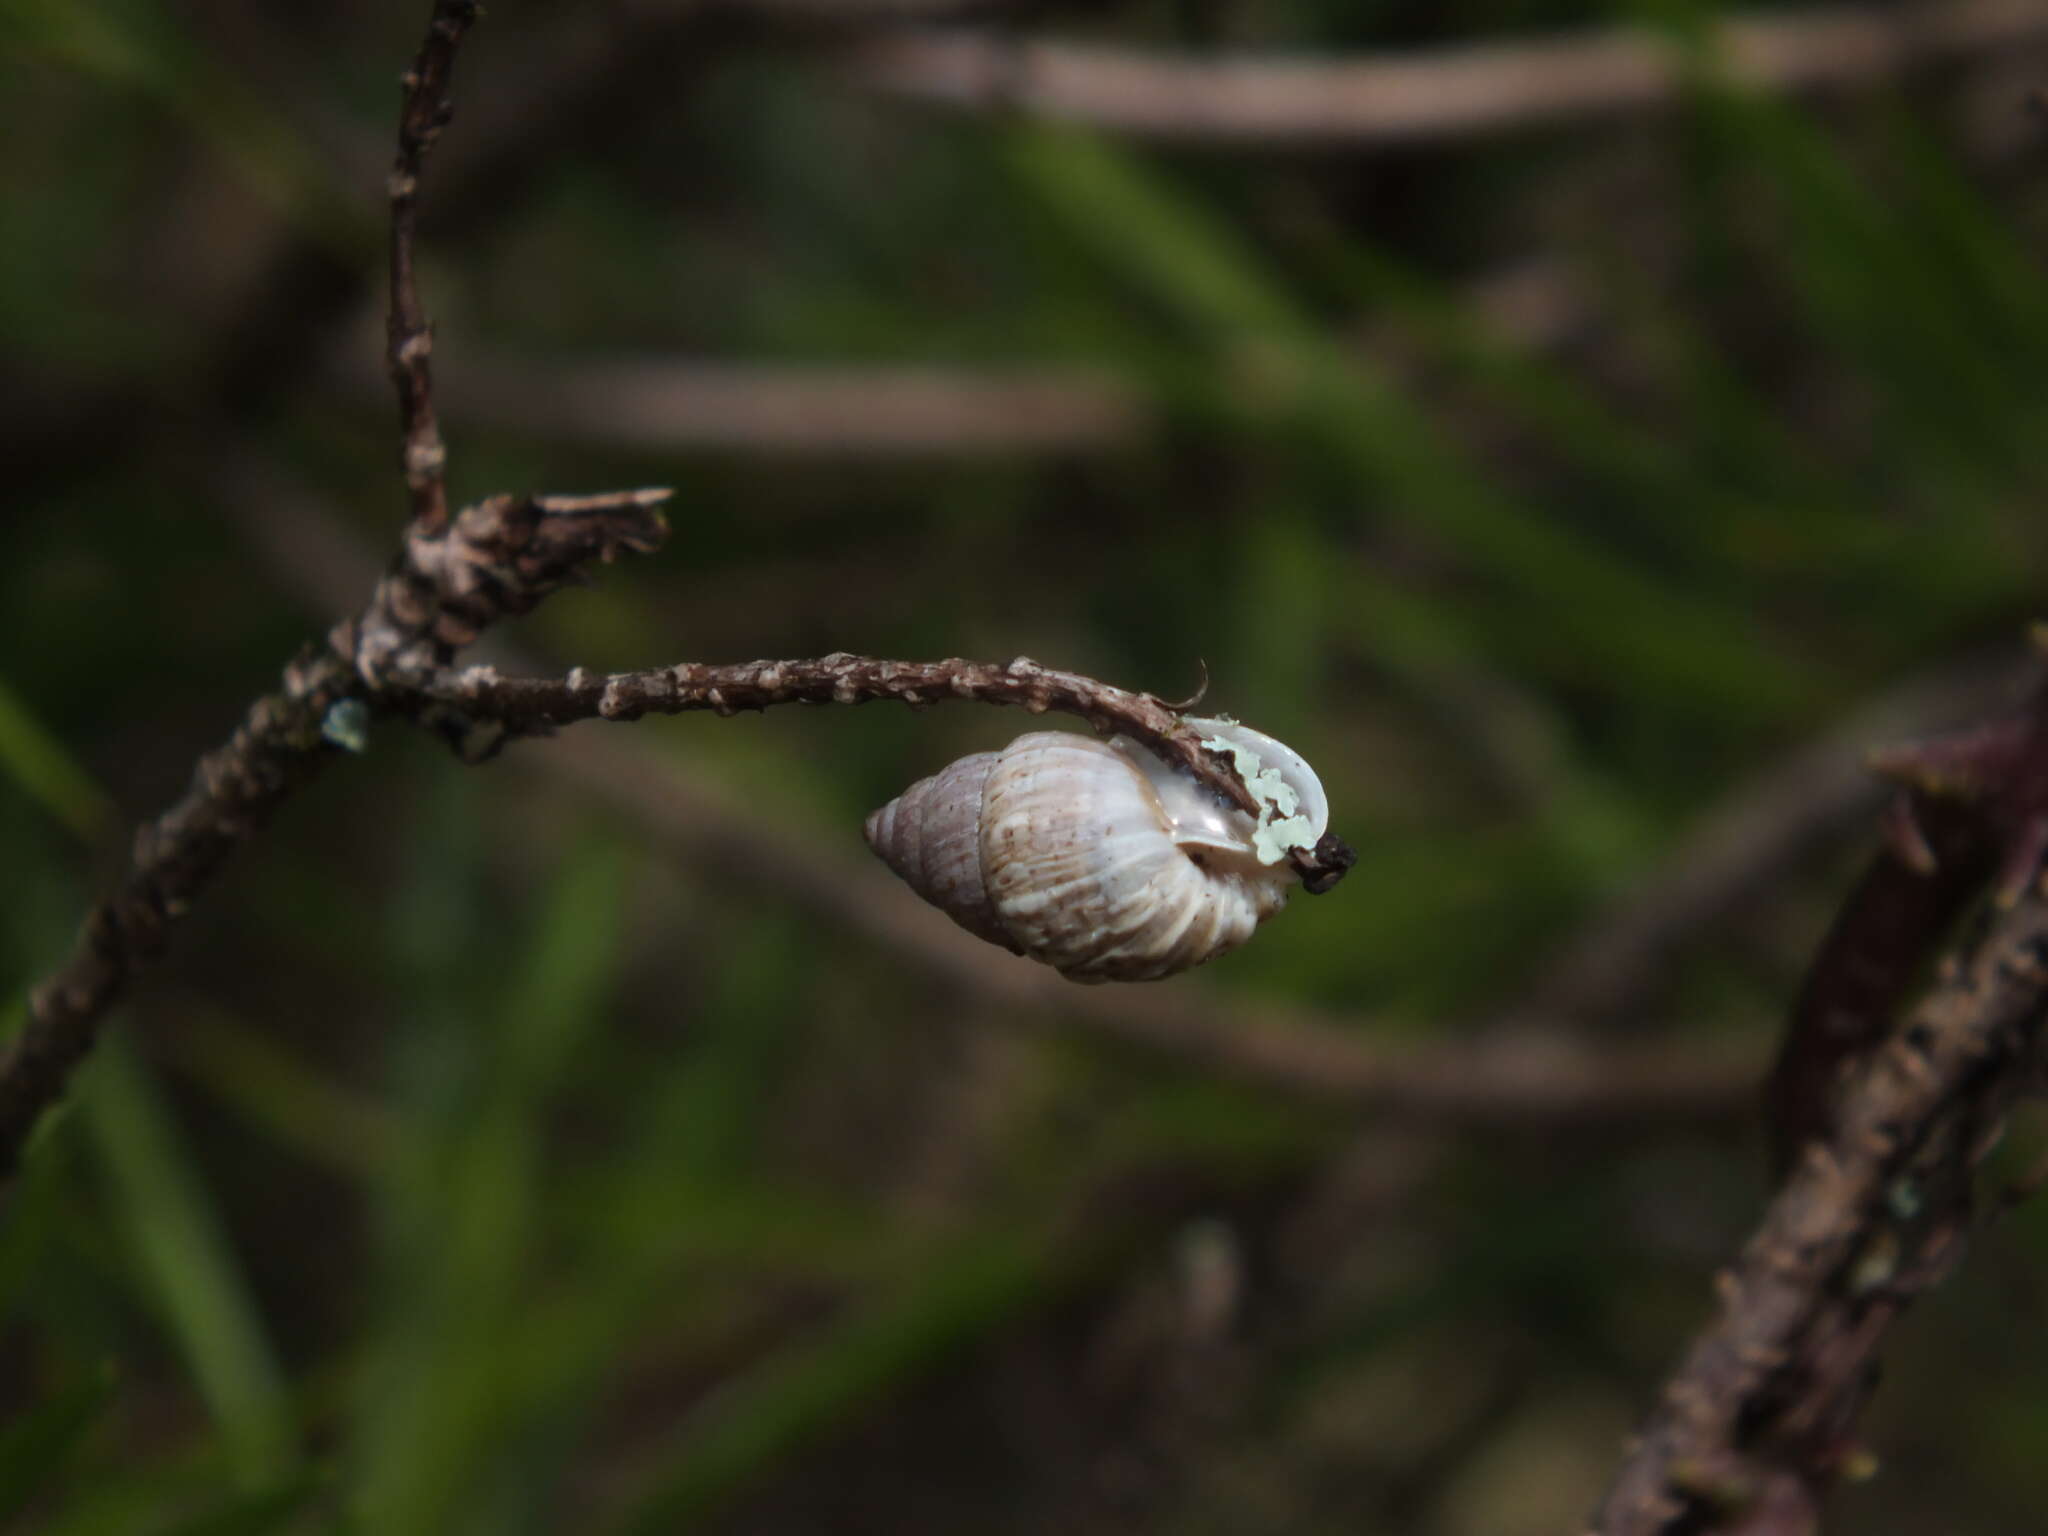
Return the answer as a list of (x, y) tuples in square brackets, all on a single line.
[(422, 116), (495, 561), (537, 706)]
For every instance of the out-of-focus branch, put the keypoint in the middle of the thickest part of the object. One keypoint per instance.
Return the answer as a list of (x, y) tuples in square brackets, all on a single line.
[(672, 404), (1457, 93), (1975, 807), (1757, 1422), (667, 405), (1882, 1127)]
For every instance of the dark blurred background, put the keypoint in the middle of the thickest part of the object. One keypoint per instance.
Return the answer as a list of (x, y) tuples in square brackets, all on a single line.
[(1580, 443)]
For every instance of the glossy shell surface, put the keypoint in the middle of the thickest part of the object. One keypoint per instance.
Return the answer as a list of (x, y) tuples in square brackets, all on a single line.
[(1095, 857)]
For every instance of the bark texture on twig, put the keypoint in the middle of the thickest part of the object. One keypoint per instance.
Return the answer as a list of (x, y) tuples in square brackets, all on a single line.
[(1458, 93), (1759, 1416), (411, 339), (277, 747), (538, 705), (500, 558)]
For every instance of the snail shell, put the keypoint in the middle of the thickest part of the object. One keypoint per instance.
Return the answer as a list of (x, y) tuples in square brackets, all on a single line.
[(1097, 857)]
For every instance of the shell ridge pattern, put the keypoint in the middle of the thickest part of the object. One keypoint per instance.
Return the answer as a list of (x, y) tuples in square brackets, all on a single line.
[(1097, 857), (1144, 937)]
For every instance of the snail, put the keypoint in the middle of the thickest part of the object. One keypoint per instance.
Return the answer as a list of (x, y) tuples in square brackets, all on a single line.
[(1099, 858)]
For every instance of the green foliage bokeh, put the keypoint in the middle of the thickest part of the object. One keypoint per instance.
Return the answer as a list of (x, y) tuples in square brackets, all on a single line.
[(480, 1161)]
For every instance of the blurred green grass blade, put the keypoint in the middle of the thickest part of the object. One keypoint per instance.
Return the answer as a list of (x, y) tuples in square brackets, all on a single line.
[(37, 1445), (1596, 823), (787, 1402), (141, 48), (555, 997), (699, 1121), (49, 1130), (281, 1096), (1999, 277), (1869, 277), (649, 1218), (47, 774), (437, 1429), (190, 1268), (1281, 599), (1725, 521), (677, 1202), (1551, 581), (32, 1216), (278, 1509)]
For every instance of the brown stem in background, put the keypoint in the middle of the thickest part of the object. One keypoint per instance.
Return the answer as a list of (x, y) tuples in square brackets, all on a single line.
[(1449, 95), (1756, 1423), (784, 411), (538, 705), (1882, 1127), (1876, 948)]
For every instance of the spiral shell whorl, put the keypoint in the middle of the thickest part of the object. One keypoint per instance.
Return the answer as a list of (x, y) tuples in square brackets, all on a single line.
[(930, 835), (1097, 857)]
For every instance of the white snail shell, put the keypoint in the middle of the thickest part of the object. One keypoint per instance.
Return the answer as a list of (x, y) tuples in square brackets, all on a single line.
[(1097, 857)]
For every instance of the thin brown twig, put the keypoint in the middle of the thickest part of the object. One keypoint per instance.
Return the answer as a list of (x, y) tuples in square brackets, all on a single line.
[(1454, 94), (538, 705), (421, 118)]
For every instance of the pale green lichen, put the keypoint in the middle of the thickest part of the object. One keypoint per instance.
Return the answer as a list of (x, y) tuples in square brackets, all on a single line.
[(1279, 829), (347, 724)]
